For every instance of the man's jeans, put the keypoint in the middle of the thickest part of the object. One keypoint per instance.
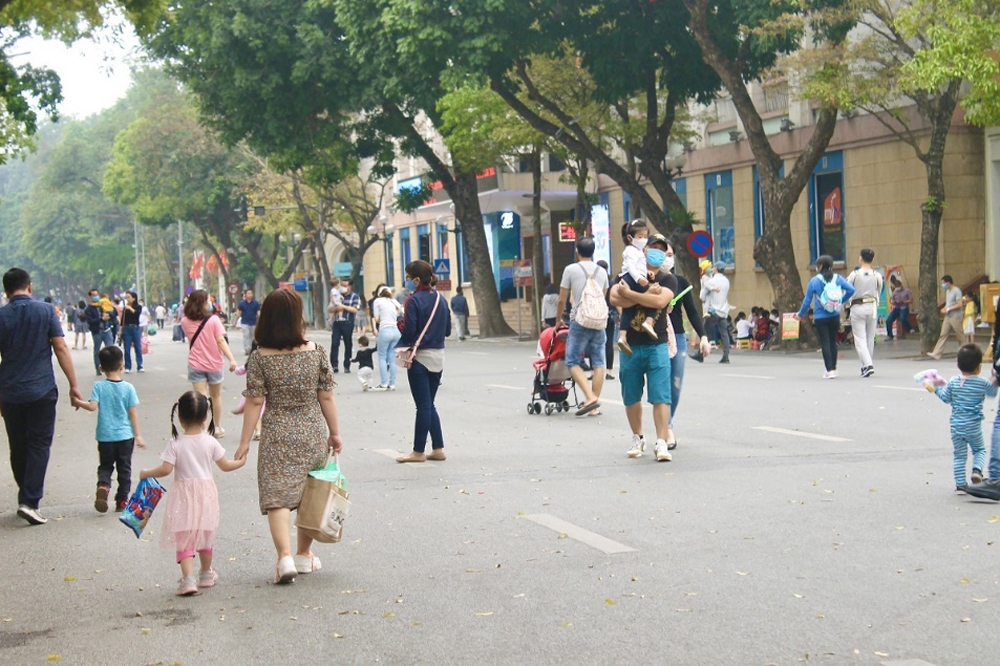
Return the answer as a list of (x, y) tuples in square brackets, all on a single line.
[(423, 387), (462, 320), (30, 426), (248, 333), (342, 330), (716, 323), (995, 450), (902, 313), (106, 338)]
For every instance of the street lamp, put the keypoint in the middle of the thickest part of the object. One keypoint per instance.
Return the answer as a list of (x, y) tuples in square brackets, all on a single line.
[(674, 165), (443, 221)]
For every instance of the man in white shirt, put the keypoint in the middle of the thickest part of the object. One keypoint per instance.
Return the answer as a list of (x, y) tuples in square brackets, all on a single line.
[(864, 310), (952, 312), (715, 296)]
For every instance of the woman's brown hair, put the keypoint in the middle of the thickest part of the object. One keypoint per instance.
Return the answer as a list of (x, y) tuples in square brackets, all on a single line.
[(195, 308), (421, 271), (280, 324)]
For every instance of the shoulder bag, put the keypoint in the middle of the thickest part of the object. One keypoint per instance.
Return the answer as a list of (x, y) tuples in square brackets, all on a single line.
[(404, 355), (198, 332)]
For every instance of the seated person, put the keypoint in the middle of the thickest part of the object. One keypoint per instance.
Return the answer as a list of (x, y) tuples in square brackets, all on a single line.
[(744, 330)]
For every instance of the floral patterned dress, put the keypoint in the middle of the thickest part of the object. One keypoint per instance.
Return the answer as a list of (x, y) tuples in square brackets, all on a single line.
[(294, 435)]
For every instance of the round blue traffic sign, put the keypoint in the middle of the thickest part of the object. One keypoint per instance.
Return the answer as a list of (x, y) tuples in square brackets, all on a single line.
[(699, 244)]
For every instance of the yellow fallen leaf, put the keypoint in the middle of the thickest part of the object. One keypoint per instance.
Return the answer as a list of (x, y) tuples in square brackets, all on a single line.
[(388, 614), (873, 490), (798, 596), (567, 625), (979, 601), (635, 579), (966, 619), (562, 536), (742, 573), (994, 519), (69, 579), (609, 602), (880, 654), (964, 581), (820, 616), (338, 635), (8, 619), (485, 614), (54, 657)]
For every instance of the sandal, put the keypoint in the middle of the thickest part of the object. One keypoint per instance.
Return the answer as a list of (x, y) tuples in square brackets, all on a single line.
[(671, 445), (589, 407), (285, 572), (307, 563)]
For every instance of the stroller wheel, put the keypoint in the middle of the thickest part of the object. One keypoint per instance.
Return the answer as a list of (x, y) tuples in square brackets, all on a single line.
[(531, 408), (538, 408), (558, 406), (549, 408), (565, 405)]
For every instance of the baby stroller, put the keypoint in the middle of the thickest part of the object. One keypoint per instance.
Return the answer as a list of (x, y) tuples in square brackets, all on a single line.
[(551, 374)]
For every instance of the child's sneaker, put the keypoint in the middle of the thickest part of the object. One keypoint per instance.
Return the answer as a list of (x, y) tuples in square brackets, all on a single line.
[(187, 586), (977, 475), (624, 347), (101, 499), (960, 490), (120, 505), (207, 578), (650, 331)]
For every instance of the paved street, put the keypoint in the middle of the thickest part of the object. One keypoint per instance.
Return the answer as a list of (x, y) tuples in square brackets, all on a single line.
[(801, 521)]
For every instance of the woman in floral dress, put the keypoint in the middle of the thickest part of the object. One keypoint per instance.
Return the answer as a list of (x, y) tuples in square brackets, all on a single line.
[(299, 429)]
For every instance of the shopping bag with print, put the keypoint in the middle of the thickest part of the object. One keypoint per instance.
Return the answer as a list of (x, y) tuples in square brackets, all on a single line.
[(325, 504)]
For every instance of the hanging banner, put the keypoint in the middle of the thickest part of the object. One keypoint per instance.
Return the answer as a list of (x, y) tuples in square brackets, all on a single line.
[(600, 224)]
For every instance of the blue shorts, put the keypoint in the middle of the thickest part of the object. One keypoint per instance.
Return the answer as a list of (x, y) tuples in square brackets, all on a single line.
[(585, 342), (212, 378), (648, 365)]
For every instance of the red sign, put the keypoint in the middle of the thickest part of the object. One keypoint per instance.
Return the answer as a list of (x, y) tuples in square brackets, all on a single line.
[(522, 273), (443, 285), (567, 232), (699, 244)]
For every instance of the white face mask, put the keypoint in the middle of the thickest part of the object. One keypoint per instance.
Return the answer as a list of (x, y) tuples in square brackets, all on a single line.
[(639, 243), (344, 290), (668, 265)]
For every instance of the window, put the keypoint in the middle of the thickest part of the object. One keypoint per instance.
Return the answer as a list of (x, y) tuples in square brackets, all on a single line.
[(775, 97), (390, 262), (424, 242), (725, 110), (405, 254), (628, 205), (556, 164), (827, 222), (719, 216), (680, 186), (758, 203), (442, 242), (463, 268)]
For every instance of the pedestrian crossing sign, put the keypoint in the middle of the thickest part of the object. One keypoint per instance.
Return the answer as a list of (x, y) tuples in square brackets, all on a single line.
[(442, 267)]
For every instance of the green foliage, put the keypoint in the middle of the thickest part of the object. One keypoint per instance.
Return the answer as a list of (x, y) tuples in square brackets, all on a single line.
[(962, 38), (410, 199)]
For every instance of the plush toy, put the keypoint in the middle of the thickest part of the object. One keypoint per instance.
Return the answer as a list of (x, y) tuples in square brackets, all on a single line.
[(930, 379)]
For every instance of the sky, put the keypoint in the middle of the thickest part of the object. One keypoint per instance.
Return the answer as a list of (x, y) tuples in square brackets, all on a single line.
[(94, 74)]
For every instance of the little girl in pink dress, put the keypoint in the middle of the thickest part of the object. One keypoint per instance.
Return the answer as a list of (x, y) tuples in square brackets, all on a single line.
[(191, 517)]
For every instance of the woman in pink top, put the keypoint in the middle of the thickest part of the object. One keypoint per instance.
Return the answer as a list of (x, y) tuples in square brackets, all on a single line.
[(207, 346)]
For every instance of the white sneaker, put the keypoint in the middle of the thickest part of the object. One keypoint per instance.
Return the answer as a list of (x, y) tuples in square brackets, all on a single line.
[(638, 446), (220, 432), (31, 515), (660, 449), (833, 374)]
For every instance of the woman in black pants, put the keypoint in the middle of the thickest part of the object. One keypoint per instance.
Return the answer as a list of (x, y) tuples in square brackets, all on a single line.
[(612, 329), (826, 314)]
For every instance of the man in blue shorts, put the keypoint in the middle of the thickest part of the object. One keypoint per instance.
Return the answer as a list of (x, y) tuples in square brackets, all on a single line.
[(581, 340), (649, 363)]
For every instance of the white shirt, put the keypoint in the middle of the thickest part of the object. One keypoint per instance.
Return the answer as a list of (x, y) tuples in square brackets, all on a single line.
[(161, 312), (386, 310), (743, 328), (634, 263), (716, 302)]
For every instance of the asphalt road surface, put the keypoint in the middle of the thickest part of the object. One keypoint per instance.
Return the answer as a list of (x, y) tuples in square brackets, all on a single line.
[(801, 521)]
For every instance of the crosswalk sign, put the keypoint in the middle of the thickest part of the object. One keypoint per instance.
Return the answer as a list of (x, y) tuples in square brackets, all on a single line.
[(442, 267)]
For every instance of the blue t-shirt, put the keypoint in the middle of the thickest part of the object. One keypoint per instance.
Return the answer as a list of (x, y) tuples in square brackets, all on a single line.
[(248, 312), (113, 402), (27, 327)]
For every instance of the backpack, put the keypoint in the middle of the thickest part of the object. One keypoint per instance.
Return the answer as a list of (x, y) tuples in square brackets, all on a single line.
[(592, 310), (832, 297)]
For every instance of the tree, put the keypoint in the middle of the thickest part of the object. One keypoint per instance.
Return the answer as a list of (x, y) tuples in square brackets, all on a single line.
[(881, 82), (28, 91), (732, 38), (166, 166)]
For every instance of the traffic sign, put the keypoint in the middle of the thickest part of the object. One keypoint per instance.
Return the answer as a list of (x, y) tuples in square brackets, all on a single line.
[(442, 267), (699, 244), (522, 273), (189, 290), (234, 289)]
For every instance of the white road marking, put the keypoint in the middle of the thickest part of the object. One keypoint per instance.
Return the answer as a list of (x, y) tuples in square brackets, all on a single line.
[(901, 388), (906, 662), (576, 533), (393, 453), (509, 388), (799, 433), (748, 376)]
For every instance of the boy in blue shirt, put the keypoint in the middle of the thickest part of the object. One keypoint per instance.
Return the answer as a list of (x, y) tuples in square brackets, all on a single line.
[(965, 394), (117, 407)]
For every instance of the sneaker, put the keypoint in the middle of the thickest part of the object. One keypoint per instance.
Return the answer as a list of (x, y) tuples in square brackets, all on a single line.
[(285, 572), (724, 359), (141, 370), (101, 499), (637, 448), (307, 563), (960, 490), (31, 515), (624, 347), (393, 388), (868, 372), (977, 475), (364, 388), (662, 451), (379, 388), (128, 371), (220, 432), (120, 505), (833, 374), (609, 375), (207, 578), (187, 586)]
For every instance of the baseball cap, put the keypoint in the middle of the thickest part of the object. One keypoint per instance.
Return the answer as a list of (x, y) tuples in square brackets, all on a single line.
[(705, 264), (658, 238), (720, 266)]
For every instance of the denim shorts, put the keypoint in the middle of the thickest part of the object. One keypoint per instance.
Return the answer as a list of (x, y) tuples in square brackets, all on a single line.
[(585, 342), (213, 378), (649, 366)]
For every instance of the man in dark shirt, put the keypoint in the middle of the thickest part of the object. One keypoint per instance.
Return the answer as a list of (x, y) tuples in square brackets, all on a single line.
[(460, 308), (343, 324), (249, 308), (29, 333), (101, 326), (649, 362)]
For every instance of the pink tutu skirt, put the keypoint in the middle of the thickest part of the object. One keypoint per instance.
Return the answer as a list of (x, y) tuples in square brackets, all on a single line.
[(191, 517)]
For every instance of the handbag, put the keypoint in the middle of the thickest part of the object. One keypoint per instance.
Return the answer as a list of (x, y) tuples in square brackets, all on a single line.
[(324, 505), (405, 355)]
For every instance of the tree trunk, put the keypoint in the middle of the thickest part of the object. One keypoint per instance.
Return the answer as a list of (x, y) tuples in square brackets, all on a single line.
[(774, 249), (537, 260), (484, 286), (930, 225)]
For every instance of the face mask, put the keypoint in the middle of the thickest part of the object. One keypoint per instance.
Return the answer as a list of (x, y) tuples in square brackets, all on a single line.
[(639, 243), (944, 286), (655, 258), (344, 290), (669, 263), (94, 299), (411, 285)]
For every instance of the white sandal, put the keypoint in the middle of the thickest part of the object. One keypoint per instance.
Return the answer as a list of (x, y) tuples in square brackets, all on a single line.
[(307, 563), (285, 572)]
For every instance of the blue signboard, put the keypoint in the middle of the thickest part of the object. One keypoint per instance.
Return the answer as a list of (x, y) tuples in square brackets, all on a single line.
[(442, 267), (301, 284)]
